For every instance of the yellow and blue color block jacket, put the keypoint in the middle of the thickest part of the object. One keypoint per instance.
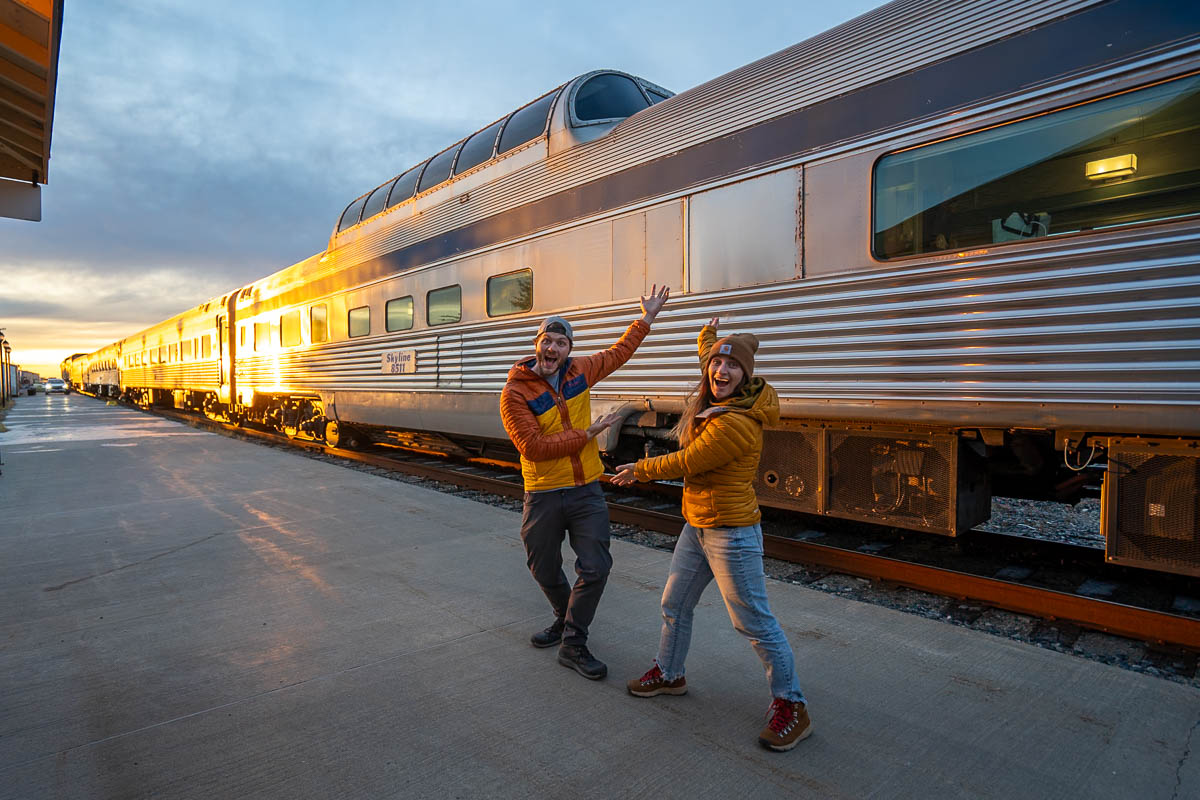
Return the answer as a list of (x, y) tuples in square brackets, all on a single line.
[(548, 427)]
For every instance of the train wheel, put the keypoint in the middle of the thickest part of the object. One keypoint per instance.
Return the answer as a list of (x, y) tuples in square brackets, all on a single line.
[(333, 434)]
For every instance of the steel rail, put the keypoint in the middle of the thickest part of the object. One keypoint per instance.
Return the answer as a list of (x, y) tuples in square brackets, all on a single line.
[(1086, 612)]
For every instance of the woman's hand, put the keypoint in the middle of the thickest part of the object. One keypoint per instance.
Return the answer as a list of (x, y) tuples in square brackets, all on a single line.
[(714, 323), (653, 304), (624, 476)]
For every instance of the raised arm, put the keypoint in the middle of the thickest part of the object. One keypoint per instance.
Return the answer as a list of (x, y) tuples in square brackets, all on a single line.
[(602, 364)]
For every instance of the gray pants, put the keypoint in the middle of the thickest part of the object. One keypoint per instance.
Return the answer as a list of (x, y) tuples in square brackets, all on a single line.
[(581, 513)]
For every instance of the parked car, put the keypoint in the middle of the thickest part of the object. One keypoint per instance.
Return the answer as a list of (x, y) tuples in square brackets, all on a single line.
[(56, 385)]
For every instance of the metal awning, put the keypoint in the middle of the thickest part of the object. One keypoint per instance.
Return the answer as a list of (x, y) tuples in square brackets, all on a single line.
[(29, 38)]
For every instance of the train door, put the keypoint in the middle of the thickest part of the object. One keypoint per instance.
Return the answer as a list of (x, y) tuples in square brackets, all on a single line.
[(223, 361)]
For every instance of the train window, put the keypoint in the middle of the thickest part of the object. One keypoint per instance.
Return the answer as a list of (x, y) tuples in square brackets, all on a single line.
[(478, 148), (655, 97), (399, 314), (438, 169), (360, 321), (608, 96), (241, 336), (403, 188), (526, 123), (174, 353), (318, 328), (444, 306), (262, 335), (375, 201), (1130, 158), (206, 344), (186, 352), (162, 354), (349, 217), (510, 294), (289, 329)]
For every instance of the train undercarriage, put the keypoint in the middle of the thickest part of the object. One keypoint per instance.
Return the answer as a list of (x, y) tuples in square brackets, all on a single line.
[(935, 480)]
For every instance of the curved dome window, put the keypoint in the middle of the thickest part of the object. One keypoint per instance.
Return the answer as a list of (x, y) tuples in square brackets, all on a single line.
[(350, 215), (375, 200), (608, 97), (405, 185), (526, 124), (438, 169), (478, 148)]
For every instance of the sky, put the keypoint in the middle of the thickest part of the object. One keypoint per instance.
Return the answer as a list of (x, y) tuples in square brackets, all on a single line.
[(199, 146)]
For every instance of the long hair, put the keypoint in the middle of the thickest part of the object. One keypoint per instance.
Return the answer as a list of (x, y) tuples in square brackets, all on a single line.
[(698, 399)]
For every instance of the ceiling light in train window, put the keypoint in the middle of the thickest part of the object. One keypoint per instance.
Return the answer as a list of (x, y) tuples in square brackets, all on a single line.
[(1115, 167)]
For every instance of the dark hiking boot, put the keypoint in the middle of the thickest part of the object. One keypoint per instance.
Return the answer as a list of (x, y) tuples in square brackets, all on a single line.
[(579, 659), (653, 683), (787, 724), (549, 637)]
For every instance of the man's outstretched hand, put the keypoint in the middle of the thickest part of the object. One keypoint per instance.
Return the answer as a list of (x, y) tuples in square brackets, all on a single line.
[(653, 304)]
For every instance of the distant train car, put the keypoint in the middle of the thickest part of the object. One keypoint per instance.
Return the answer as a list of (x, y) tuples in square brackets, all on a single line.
[(971, 251)]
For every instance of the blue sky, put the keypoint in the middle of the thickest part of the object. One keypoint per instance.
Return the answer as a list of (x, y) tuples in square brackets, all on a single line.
[(199, 146)]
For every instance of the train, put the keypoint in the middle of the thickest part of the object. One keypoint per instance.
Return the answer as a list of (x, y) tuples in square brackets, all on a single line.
[(967, 235)]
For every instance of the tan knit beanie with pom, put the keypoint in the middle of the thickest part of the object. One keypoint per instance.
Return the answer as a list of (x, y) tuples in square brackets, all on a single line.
[(741, 347)]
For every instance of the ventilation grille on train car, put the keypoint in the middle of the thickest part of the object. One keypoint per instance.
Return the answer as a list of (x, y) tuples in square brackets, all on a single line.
[(920, 481), (1151, 516), (789, 474), (906, 480)]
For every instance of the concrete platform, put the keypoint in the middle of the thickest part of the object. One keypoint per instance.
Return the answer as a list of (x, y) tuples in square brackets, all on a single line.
[(185, 615)]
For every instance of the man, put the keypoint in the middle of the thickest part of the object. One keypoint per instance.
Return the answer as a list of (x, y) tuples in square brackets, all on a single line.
[(546, 408)]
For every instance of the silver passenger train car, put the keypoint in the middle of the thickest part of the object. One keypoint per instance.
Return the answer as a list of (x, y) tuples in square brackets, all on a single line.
[(967, 235)]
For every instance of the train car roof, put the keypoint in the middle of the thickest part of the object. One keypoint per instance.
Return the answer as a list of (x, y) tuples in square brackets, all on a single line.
[(595, 102)]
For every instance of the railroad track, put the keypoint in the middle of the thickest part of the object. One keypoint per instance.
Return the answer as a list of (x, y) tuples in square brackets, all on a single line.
[(1134, 621)]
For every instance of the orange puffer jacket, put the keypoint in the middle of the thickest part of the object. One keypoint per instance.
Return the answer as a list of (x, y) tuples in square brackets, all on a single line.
[(719, 465)]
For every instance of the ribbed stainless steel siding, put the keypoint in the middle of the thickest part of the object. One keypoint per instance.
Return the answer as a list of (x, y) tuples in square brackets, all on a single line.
[(888, 41), (195, 375), (1112, 323)]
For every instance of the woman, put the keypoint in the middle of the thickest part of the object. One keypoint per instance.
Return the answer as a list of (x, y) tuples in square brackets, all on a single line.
[(721, 435)]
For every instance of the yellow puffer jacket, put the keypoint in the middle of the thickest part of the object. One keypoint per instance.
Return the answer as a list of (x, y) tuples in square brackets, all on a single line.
[(719, 465)]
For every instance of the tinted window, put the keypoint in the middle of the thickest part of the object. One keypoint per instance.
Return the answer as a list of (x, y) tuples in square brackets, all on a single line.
[(526, 124), (438, 169), (262, 335), (443, 306), (349, 216), (1130, 158), (206, 345), (318, 328), (656, 97), (375, 201), (478, 148), (399, 314), (360, 321), (289, 329), (510, 294), (608, 97), (404, 186)]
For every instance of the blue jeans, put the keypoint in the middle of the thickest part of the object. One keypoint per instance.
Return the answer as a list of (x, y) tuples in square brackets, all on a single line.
[(734, 557)]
